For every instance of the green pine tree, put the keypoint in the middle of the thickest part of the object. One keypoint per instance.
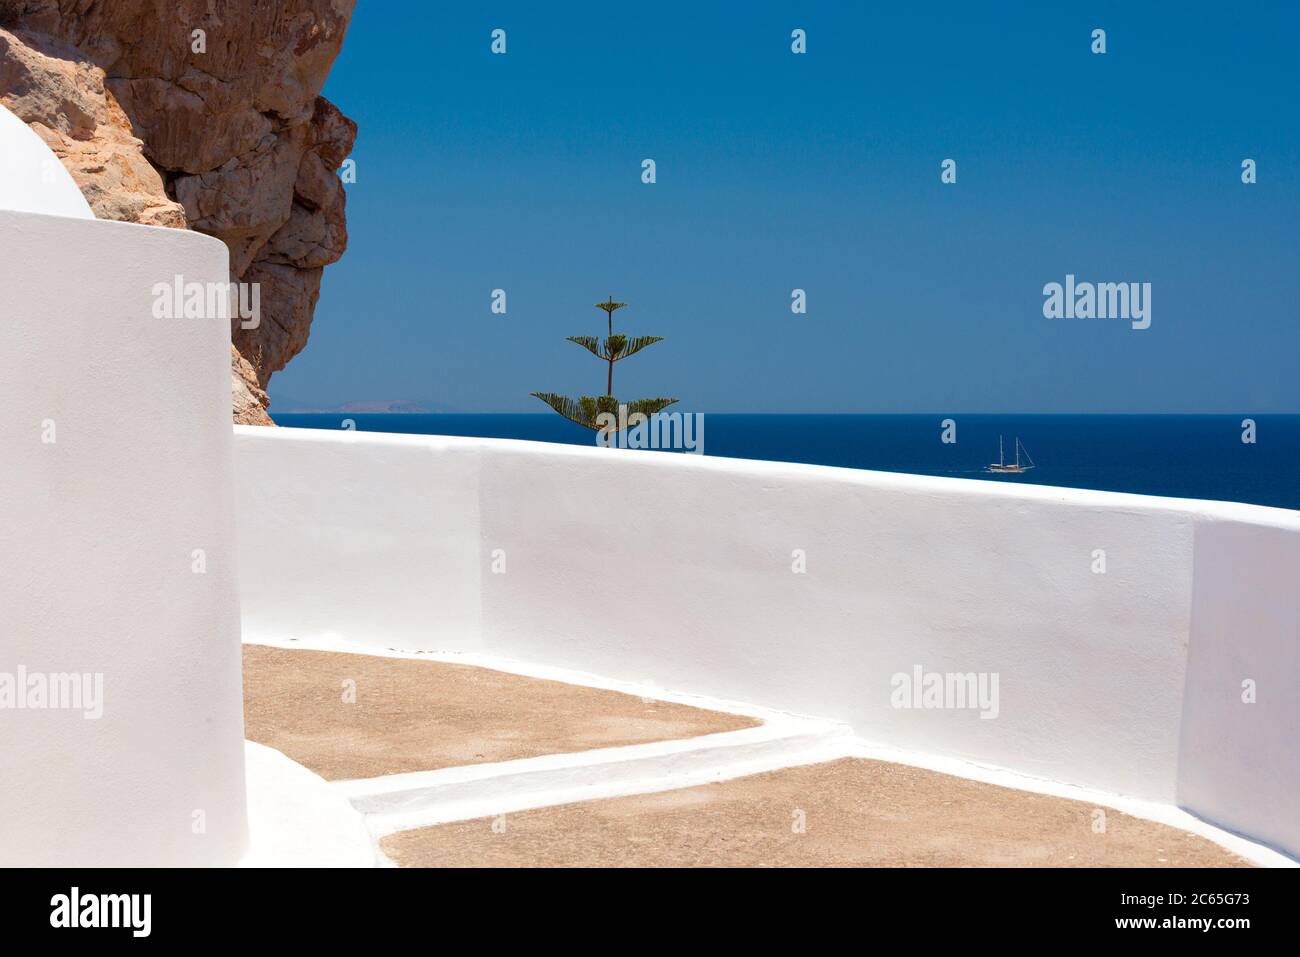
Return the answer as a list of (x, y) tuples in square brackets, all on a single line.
[(615, 348)]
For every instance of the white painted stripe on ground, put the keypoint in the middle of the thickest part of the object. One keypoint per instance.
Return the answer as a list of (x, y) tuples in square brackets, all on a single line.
[(509, 799), (418, 799)]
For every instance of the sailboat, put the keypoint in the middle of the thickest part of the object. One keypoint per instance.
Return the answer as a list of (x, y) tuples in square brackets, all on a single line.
[(1005, 467)]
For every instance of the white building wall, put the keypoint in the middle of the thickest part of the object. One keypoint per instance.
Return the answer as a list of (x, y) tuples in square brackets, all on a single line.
[(117, 466), (1240, 749), (677, 570), (350, 538)]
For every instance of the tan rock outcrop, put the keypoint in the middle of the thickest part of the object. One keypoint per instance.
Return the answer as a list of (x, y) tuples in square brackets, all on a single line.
[(206, 114), (247, 399), (64, 99)]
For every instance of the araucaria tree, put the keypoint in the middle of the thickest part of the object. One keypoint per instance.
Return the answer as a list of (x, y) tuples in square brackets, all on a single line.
[(587, 409)]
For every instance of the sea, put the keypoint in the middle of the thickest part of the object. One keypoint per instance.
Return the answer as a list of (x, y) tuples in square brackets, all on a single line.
[(1184, 456)]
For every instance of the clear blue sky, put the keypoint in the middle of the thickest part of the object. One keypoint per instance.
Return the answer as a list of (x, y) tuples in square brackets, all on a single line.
[(819, 171)]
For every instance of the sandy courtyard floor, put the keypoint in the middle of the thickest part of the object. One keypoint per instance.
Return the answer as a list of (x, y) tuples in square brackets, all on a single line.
[(854, 813), (410, 715)]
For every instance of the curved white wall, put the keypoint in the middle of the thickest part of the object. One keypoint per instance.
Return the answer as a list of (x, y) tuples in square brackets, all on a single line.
[(677, 569), (117, 466), (32, 180)]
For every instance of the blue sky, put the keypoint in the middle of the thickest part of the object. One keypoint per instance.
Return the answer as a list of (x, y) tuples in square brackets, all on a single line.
[(818, 171)]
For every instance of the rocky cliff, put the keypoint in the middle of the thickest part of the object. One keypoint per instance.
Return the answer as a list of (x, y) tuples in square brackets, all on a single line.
[(200, 114)]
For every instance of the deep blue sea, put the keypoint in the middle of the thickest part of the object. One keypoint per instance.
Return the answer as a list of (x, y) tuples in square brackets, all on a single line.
[(1186, 456)]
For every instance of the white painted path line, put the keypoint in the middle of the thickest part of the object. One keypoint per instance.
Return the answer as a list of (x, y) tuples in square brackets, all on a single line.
[(403, 801)]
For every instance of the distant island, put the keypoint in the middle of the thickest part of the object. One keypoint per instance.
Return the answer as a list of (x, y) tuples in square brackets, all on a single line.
[(373, 406)]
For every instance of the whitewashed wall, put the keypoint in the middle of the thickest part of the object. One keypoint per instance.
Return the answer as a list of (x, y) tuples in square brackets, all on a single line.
[(1240, 763), (346, 537), (32, 180), (97, 533), (677, 570)]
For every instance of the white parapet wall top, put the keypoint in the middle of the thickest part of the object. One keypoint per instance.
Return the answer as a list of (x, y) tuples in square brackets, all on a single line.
[(118, 583), (32, 180), (814, 590)]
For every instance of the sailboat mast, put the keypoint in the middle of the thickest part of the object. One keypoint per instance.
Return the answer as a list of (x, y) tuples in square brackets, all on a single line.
[(1017, 451), (1002, 460)]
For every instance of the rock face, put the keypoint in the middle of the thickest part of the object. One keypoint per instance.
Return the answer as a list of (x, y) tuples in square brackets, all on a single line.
[(203, 114)]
